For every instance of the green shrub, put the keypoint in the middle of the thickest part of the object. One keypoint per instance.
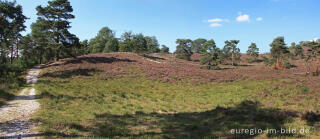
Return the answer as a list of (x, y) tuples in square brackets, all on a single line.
[(216, 68), (252, 60), (288, 65), (305, 90)]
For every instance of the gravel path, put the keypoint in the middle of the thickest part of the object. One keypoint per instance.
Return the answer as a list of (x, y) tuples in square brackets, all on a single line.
[(15, 116)]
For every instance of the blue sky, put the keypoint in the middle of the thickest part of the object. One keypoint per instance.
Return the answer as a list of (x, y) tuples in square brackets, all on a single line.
[(258, 21)]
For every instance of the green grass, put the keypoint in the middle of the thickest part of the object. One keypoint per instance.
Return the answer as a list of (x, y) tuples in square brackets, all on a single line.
[(136, 107)]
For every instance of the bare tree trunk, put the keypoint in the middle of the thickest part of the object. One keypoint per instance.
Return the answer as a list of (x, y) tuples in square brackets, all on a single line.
[(232, 59), (57, 55), (11, 55), (17, 49)]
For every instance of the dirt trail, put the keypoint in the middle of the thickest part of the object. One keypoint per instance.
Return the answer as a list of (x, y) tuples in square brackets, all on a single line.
[(15, 116)]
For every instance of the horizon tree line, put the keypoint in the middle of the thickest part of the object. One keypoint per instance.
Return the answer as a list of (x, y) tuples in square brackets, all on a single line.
[(105, 41), (211, 55), (280, 53)]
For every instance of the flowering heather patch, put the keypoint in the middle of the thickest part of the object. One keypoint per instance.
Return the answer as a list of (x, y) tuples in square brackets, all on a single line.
[(163, 67)]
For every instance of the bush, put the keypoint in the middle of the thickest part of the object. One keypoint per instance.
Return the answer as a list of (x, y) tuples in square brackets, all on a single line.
[(252, 60), (288, 65), (284, 64), (184, 56), (267, 61), (305, 90), (216, 68), (210, 67)]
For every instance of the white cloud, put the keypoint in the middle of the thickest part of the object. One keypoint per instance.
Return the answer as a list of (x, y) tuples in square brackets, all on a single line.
[(259, 19), (243, 18), (218, 20), (215, 25)]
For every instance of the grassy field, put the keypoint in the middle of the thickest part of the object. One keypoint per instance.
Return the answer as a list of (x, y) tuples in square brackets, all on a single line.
[(87, 103)]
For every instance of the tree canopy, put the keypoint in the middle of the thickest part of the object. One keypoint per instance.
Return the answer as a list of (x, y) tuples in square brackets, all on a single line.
[(183, 49), (278, 48), (279, 53), (152, 44), (197, 45), (57, 15), (98, 43), (210, 55), (253, 52), (164, 49), (12, 23), (232, 49)]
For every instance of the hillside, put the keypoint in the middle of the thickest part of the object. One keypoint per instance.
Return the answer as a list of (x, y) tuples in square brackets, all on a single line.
[(157, 95), (166, 68)]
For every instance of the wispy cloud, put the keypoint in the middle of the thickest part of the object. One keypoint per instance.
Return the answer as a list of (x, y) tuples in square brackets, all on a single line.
[(243, 18), (218, 20), (215, 25), (259, 19)]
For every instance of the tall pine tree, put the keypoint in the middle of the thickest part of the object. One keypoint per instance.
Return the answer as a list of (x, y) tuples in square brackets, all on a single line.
[(279, 52), (253, 52), (183, 49), (234, 50), (57, 14), (210, 55), (11, 24)]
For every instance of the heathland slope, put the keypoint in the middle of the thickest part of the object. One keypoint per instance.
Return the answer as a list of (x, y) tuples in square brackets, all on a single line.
[(157, 95), (168, 68)]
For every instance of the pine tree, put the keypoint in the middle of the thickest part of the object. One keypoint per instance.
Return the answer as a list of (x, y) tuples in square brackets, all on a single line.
[(40, 31), (126, 42), (183, 49), (234, 51), (152, 44), (57, 14), (298, 51), (312, 57), (139, 44), (253, 52), (84, 48), (210, 55), (12, 23), (164, 49), (279, 52), (197, 45), (29, 53)]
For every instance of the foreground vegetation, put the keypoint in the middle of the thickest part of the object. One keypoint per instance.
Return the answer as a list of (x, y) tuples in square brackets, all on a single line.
[(11, 81), (88, 104)]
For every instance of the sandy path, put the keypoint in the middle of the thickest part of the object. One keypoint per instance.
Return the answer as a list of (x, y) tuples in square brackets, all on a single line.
[(15, 116)]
